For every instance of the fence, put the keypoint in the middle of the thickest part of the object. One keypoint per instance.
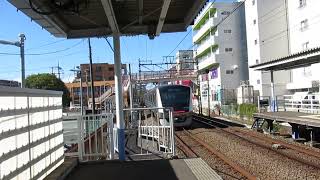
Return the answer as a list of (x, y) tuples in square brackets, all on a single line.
[(95, 140), (305, 103), (31, 140), (149, 131)]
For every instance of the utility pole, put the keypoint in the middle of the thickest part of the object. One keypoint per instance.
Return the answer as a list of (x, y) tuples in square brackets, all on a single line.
[(23, 71), (58, 70), (91, 78), (19, 44), (78, 70), (87, 84), (131, 93)]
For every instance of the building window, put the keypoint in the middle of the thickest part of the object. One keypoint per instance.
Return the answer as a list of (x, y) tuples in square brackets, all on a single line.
[(99, 78), (257, 61), (253, 2), (256, 42), (225, 12), (305, 45), (110, 68), (228, 49), (302, 3), (254, 21), (229, 71), (304, 25), (227, 31), (258, 81), (98, 68)]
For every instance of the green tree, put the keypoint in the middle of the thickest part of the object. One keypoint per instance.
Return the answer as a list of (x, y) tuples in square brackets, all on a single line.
[(49, 82)]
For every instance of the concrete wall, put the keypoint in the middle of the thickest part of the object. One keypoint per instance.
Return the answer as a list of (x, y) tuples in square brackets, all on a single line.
[(300, 35), (230, 34), (31, 139), (267, 39)]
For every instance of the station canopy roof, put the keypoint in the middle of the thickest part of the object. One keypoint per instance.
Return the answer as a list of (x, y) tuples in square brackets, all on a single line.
[(297, 60), (97, 18)]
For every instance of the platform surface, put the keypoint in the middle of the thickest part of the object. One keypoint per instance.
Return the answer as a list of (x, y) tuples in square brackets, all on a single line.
[(180, 169), (291, 117)]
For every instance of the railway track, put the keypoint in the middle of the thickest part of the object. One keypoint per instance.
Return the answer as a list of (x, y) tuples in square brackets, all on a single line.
[(265, 157), (192, 146), (286, 149)]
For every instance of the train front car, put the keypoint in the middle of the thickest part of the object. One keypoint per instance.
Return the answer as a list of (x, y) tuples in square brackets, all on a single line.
[(179, 98)]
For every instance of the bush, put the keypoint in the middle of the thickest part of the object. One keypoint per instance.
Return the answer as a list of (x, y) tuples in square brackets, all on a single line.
[(247, 110)]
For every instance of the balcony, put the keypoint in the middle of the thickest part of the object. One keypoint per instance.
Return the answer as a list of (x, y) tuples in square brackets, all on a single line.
[(204, 16), (205, 47), (206, 61), (204, 30)]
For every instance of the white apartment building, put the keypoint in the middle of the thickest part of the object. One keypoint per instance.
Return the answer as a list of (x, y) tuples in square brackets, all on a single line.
[(220, 51), (267, 39), (304, 28)]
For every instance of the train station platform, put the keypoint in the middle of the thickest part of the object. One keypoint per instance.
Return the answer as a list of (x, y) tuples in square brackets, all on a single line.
[(177, 169), (312, 120)]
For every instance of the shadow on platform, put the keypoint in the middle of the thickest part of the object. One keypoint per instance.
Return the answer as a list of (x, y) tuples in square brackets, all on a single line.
[(155, 170)]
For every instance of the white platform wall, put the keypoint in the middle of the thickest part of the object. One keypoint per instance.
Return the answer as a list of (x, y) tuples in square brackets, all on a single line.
[(31, 139)]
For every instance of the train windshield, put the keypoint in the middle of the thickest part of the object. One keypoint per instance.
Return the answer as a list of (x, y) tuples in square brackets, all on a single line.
[(177, 97)]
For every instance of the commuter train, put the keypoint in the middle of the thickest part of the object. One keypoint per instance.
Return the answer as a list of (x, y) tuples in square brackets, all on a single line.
[(178, 97)]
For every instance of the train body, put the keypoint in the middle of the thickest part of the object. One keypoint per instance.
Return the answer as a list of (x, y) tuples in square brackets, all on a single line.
[(177, 97)]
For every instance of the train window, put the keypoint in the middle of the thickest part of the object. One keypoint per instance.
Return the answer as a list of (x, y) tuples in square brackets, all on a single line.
[(177, 97)]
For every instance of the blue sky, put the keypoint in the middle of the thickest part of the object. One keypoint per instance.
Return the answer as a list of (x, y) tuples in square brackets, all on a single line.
[(14, 22)]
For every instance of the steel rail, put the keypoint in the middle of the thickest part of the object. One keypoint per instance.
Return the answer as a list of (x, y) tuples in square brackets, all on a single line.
[(268, 140), (263, 145), (285, 144), (185, 148), (224, 158)]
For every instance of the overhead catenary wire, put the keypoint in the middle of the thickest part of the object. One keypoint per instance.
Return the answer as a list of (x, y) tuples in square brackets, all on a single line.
[(223, 19)]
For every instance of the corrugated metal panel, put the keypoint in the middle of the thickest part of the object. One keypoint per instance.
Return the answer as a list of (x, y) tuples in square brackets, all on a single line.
[(92, 20)]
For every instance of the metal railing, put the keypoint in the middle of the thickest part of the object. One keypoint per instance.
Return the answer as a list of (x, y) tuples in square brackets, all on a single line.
[(307, 103), (95, 138), (151, 76), (149, 131)]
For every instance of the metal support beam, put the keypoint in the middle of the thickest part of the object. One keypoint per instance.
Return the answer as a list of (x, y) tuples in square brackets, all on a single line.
[(91, 79), (195, 9), (108, 9), (273, 102), (295, 131), (163, 14), (119, 97), (140, 7)]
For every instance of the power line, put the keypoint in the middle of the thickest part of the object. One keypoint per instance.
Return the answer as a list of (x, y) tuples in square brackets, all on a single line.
[(106, 38), (294, 27), (223, 19), (235, 9), (187, 34), (47, 44), (180, 42), (45, 53)]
